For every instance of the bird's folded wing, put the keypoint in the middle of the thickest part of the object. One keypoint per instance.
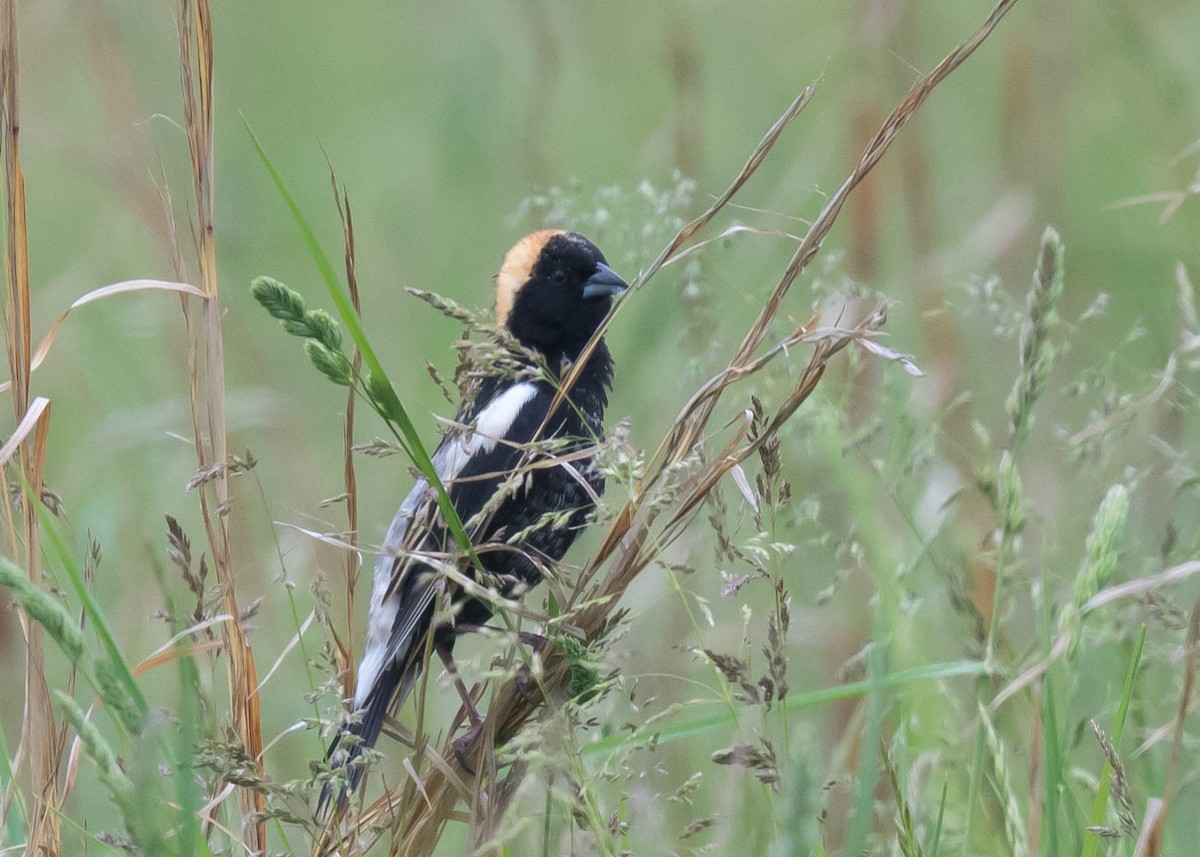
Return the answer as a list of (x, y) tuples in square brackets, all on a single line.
[(473, 462)]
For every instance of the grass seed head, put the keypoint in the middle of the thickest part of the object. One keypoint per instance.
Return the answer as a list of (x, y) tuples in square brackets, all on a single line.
[(331, 363), (44, 609), (116, 697), (1037, 349), (277, 299), (1103, 551), (1010, 497), (97, 749)]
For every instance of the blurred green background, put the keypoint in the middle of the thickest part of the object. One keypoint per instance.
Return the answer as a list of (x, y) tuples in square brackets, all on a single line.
[(442, 121)]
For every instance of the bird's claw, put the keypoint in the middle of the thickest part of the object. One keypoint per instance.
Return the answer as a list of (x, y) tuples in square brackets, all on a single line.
[(460, 745), (536, 642), (527, 687)]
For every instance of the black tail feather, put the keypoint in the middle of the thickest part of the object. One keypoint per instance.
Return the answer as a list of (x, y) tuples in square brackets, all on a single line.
[(392, 688)]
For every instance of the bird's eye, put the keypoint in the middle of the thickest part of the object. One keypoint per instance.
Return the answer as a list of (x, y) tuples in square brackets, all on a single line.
[(560, 276)]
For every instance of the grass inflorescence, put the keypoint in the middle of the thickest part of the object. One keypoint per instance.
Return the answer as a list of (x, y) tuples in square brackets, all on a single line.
[(819, 610)]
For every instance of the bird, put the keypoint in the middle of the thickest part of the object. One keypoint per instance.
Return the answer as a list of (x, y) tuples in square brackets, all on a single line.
[(553, 291)]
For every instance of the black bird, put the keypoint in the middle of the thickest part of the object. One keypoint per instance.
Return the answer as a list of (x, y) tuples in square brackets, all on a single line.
[(552, 293)]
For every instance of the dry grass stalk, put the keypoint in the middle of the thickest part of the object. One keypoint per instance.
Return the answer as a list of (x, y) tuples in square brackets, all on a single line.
[(674, 249), (39, 736), (633, 541), (346, 668), (196, 70), (418, 811), (1149, 843), (1154, 829)]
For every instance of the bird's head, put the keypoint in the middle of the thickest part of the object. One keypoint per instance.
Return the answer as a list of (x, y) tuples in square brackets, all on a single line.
[(554, 289)]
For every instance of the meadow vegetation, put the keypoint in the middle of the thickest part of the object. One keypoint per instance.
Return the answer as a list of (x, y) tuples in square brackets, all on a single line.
[(899, 548)]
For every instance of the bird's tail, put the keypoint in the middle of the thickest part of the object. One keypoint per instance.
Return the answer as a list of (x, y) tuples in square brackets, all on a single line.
[(346, 749)]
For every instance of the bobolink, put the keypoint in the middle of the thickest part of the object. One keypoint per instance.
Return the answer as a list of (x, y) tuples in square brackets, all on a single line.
[(552, 293)]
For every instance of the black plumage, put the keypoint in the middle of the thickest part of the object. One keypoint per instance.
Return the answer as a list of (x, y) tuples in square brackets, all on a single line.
[(552, 293)]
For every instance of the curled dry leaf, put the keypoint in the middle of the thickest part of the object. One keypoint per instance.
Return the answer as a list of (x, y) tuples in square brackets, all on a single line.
[(121, 288)]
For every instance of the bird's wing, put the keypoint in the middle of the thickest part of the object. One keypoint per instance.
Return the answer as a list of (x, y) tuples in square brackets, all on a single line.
[(471, 461)]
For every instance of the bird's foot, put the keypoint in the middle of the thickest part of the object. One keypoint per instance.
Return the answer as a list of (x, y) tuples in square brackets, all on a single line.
[(462, 744), (468, 698), (537, 642)]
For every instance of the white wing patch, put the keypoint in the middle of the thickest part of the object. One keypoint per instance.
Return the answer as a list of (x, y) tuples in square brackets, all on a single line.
[(491, 425)]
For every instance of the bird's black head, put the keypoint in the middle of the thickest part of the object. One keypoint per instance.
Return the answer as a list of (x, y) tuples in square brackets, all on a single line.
[(553, 290)]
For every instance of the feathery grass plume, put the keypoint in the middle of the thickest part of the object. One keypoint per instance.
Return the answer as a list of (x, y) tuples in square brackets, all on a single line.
[(98, 751), (1004, 488), (44, 609), (484, 349), (1014, 825), (179, 550), (776, 647), (230, 761), (736, 671), (116, 697), (447, 306), (1037, 350), (377, 448), (1010, 497), (1103, 548), (758, 758), (906, 828), (1103, 543), (1121, 791)]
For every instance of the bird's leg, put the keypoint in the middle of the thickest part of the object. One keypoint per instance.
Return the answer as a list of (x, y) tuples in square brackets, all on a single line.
[(444, 651), (525, 686), (459, 745)]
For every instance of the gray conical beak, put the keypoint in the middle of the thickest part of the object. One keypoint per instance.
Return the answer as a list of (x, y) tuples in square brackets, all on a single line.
[(605, 283)]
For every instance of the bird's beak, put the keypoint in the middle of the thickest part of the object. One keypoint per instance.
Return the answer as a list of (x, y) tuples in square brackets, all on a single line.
[(605, 283)]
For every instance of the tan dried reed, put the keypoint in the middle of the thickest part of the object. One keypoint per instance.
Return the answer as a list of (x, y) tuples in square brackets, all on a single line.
[(208, 412), (39, 734)]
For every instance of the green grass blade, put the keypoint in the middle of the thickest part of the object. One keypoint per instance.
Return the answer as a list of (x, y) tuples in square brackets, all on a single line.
[(91, 838), (95, 615), (974, 779), (796, 701), (863, 807), (935, 841), (14, 824), (381, 388), (186, 791), (1091, 843), (1052, 747)]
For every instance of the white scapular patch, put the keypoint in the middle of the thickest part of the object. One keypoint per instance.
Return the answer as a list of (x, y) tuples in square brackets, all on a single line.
[(491, 425)]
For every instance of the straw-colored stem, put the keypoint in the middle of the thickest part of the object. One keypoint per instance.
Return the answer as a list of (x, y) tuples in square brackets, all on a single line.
[(39, 734), (196, 68)]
